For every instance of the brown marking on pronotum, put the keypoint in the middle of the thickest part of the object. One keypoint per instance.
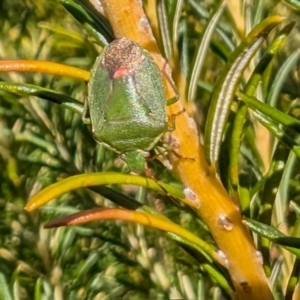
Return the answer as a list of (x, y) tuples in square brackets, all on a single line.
[(122, 58)]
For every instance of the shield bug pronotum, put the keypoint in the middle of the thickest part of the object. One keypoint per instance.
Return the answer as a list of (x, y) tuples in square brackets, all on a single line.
[(126, 102)]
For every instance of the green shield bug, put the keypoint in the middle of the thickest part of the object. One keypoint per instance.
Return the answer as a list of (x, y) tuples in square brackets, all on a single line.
[(126, 101)]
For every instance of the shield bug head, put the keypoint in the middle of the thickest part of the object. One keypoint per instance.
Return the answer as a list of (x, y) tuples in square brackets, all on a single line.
[(126, 101)]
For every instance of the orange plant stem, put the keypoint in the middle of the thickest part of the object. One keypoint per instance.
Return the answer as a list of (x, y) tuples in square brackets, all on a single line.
[(212, 202), (43, 67)]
